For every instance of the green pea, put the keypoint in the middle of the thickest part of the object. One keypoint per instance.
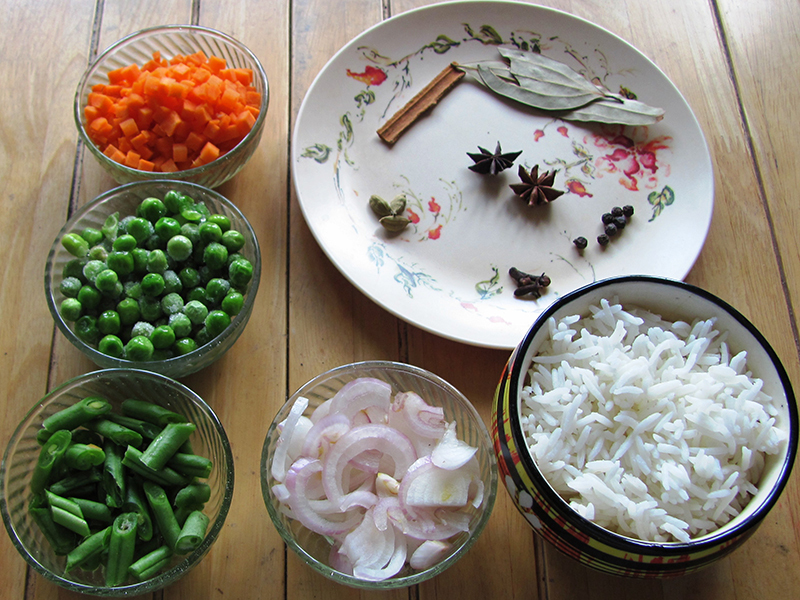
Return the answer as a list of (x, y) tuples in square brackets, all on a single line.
[(233, 240), (232, 303), (114, 292), (92, 236), (172, 303), (140, 228), (106, 280), (162, 353), (189, 277), (215, 255), (221, 220), (109, 322), (124, 243), (174, 201), (70, 309), (111, 345), (75, 244), (140, 256), (166, 227), (157, 261), (233, 258), (74, 268), (98, 253), (128, 310), (199, 294), (150, 308), (162, 337), (202, 337), (139, 348), (196, 311), (92, 268), (172, 283), (86, 329), (210, 232), (179, 247), (89, 297), (206, 274), (151, 209), (185, 345), (133, 289), (191, 231), (153, 284), (155, 243), (216, 322), (70, 286), (181, 325), (240, 272), (142, 328), (192, 215), (216, 289), (121, 262)]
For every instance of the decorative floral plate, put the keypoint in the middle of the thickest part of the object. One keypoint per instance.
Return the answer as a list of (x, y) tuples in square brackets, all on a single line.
[(447, 272)]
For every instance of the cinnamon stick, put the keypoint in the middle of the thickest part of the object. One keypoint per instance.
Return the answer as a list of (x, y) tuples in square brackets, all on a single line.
[(426, 99)]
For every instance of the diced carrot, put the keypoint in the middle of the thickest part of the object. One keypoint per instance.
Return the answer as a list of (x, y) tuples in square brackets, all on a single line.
[(146, 165), (91, 113), (132, 159), (101, 102), (209, 153), (180, 152), (129, 127), (171, 121), (215, 63), (195, 141)]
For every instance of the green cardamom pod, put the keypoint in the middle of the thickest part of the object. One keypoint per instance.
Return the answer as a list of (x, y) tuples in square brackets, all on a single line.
[(380, 206), (398, 205), (394, 223)]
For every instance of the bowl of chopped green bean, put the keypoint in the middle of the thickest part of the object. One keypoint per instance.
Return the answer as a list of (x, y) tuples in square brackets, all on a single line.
[(160, 276), (116, 483)]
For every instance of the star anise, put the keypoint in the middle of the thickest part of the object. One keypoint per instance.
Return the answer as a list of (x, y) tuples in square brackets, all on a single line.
[(487, 162), (535, 188)]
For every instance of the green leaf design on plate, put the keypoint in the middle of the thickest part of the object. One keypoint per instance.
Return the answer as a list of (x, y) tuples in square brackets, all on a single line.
[(319, 152), (485, 35), (660, 200), (442, 44), (364, 98), (489, 287)]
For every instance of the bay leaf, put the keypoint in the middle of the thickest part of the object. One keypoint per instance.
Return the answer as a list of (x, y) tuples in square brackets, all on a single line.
[(621, 111), (543, 96)]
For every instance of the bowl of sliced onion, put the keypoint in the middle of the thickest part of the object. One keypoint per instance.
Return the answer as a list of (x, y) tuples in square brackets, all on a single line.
[(378, 474)]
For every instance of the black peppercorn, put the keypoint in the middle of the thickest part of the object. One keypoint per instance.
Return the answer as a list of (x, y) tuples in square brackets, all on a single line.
[(580, 242), (627, 210), (620, 222), (607, 218), (611, 230), (616, 211), (603, 239)]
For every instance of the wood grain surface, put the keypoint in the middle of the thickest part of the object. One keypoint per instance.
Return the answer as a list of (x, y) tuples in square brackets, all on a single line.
[(734, 61)]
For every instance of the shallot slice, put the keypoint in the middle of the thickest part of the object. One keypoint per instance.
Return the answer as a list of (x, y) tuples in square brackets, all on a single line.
[(425, 420), (427, 486), (452, 453), (428, 554), (281, 457), (375, 554), (372, 396), (325, 432)]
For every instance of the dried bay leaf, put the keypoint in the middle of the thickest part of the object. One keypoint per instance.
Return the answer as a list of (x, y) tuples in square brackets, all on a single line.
[(542, 97), (621, 111)]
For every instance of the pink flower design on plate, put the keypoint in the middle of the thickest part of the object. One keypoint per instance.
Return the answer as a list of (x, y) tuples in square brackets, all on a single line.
[(434, 233), (433, 206), (635, 162), (413, 217)]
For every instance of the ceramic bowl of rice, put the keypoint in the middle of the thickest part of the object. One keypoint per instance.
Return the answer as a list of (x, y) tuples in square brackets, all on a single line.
[(644, 427)]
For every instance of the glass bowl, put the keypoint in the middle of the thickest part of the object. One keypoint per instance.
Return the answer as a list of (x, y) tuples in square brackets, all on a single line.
[(115, 385), (171, 40), (125, 199), (313, 548), (551, 516)]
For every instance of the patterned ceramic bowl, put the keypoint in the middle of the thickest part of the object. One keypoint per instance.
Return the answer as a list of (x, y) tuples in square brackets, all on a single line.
[(546, 510), (124, 200), (115, 385), (171, 40), (315, 549)]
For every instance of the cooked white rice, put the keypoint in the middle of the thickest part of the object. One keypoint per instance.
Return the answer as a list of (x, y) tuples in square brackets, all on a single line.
[(648, 428)]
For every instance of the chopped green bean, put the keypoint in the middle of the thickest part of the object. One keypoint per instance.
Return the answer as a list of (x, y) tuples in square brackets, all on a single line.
[(135, 502), (114, 478), (121, 546), (119, 434), (88, 549), (49, 457), (151, 563), (71, 521), (192, 533), (143, 428), (196, 493), (93, 511), (162, 513), (151, 412), (166, 476), (84, 456), (166, 444), (61, 539), (72, 483), (78, 414), (191, 465)]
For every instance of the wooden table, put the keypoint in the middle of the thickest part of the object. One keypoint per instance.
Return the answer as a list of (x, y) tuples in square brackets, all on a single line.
[(734, 60)]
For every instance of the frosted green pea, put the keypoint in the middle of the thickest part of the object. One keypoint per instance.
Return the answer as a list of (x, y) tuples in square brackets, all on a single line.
[(128, 310), (189, 277), (184, 346), (153, 284), (124, 243), (139, 228), (198, 294), (217, 288), (89, 297), (162, 337), (74, 268), (86, 329), (233, 240), (172, 283), (191, 231), (151, 209), (70, 309), (150, 308), (155, 243), (216, 322), (109, 322), (92, 268), (202, 337), (70, 286), (232, 303), (157, 261), (114, 292), (111, 345), (106, 280), (98, 253), (240, 272), (174, 201), (172, 303), (140, 256), (206, 274), (215, 255), (92, 236), (166, 227), (133, 289), (210, 232), (233, 258), (139, 348), (196, 311), (181, 325), (75, 244), (179, 247), (121, 262), (142, 328)]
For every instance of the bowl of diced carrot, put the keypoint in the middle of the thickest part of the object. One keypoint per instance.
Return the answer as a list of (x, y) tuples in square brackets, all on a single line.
[(174, 102)]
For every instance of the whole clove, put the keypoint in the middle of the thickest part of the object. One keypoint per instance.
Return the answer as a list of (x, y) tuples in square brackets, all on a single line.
[(528, 284)]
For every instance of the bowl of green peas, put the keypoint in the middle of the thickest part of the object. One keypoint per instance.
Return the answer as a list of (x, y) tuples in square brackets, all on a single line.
[(157, 275), (116, 483)]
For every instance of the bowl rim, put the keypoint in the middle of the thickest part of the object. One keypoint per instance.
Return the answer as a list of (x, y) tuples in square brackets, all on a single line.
[(490, 494), (162, 579), (517, 375), (238, 322), (233, 153)]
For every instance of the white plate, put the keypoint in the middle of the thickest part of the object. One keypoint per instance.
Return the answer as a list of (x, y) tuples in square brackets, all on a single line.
[(448, 272)]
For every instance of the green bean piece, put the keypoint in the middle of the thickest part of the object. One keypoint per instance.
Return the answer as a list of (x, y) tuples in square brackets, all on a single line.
[(162, 513), (151, 412), (110, 227), (79, 413), (77, 481), (84, 456), (166, 444), (192, 533), (151, 563), (75, 244), (49, 458), (61, 539), (114, 477), (166, 476), (196, 493), (56, 501), (42, 436), (121, 546), (191, 465), (84, 436), (70, 521), (143, 428), (93, 511), (88, 549), (119, 434), (136, 503)]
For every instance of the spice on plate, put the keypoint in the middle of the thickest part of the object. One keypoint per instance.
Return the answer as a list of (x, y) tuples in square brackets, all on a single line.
[(536, 189), (528, 284), (614, 222), (492, 163), (580, 242), (390, 214)]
